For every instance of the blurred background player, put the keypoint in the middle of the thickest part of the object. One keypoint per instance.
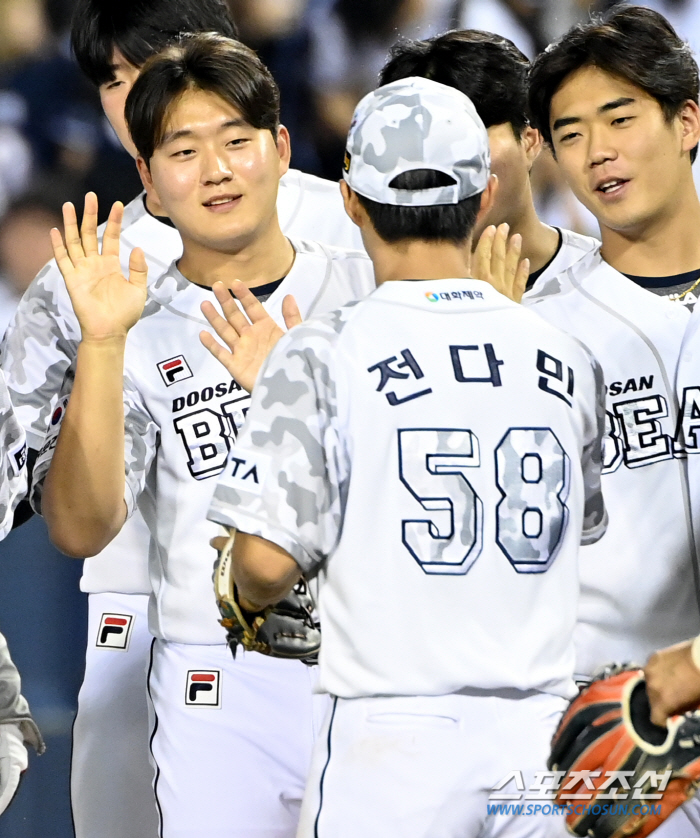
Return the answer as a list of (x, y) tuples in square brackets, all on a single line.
[(204, 118), (111, 40), (617, 101), (421, 728), (492, 72)]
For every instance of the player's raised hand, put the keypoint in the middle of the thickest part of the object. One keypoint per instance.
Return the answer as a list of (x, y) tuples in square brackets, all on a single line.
[(248, 337), (105, 302), (497, 261)]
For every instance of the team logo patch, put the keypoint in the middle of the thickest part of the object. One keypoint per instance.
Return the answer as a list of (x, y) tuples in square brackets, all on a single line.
[(115, 631), (203, 688), (245, 471), (174, 370)]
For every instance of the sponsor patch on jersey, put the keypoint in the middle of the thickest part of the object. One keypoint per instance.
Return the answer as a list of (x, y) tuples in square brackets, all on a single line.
[(245, 470), (17, 455), (346, 161), (115, 631), (174, 370), (451, 296), (203, 688)]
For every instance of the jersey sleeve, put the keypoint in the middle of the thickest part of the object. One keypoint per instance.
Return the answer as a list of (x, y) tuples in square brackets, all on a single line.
[(40, 345), (13, 471), (141, 436), (140, 443), (285, 477), (595, 516)]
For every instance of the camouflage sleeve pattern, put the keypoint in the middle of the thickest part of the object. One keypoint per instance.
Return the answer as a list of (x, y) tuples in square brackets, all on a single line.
[(40, 345), (13, 705), (595, 516), (13, 471), (286, 477), (140, 439), (141, 435)]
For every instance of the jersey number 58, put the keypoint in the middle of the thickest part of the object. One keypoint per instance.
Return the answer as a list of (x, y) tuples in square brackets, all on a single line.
[(532, 476)]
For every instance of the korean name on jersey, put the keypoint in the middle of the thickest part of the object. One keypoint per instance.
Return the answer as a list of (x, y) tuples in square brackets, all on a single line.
[(433, 452), (182, 413), (637, 589), (42, 341)]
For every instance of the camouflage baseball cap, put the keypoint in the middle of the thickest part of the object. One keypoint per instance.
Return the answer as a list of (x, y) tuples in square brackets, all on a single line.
[(416, 123)]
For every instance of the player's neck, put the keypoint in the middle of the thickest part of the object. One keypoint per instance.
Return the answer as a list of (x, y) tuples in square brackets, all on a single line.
[(417, 259), (540, 241), (665, 245), (265, 258)]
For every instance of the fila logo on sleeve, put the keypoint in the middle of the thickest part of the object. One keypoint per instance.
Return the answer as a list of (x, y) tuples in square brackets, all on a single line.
[(203, 688), (115, 631), (174, 370)]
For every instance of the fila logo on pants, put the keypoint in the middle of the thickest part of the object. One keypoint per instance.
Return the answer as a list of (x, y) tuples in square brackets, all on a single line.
[(203, 688), (115, 631)]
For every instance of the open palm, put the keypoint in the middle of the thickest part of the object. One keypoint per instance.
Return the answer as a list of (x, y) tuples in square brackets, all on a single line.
[(106, 303)]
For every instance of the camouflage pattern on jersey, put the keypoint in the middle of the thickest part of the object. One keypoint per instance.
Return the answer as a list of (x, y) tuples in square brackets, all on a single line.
[(411, 124), (13, 451), (292, 420), (41, 343)]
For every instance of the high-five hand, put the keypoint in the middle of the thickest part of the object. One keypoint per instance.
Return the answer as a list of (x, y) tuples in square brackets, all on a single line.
[(106, 304), (248, 339), (497, 261)]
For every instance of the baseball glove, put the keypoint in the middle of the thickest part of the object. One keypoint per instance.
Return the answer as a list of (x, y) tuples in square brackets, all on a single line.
[(284, 630), (607, 729)]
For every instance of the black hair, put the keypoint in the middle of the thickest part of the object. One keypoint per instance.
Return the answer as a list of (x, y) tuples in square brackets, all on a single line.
[(444, 222), (487, 68), (632, 43), (208, 62), (138, 29)]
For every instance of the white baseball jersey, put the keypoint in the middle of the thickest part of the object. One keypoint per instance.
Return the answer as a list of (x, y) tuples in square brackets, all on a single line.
[(182, 411), (13, 460), (638, 591), (429, 452), (41, 343), (688, 384), (572, 249)]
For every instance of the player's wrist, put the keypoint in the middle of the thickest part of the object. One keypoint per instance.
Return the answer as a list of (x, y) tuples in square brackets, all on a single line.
[(106, 341)]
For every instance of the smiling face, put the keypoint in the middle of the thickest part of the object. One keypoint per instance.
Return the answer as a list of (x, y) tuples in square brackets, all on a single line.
[(619, 154), (214, 175), (113, 97)]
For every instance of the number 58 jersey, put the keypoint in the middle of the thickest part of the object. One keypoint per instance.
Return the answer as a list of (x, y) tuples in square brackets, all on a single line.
[(433, 453)]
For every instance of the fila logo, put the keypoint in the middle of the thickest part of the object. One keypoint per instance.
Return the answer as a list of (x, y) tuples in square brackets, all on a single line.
[(115, 631), (174, 370), (203, 688)]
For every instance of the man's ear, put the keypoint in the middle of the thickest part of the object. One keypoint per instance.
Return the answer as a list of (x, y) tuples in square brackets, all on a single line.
[(353, 207), (154, 204), (532, 142), (488, 198), (689, 116), (284, 149)]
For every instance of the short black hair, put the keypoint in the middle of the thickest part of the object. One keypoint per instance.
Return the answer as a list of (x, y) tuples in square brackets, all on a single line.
[(444, 222), (138, 29), (207, 62), (487, 68), (632, 43)]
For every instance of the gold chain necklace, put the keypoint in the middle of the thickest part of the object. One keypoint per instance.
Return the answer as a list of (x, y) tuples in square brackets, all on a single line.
[(688, 290)]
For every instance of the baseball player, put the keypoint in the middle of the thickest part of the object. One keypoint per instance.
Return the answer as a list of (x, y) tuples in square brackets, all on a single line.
[(617, 100), (433, 454), (492, 72), (17, 728), (111, 777), (212, 152)]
